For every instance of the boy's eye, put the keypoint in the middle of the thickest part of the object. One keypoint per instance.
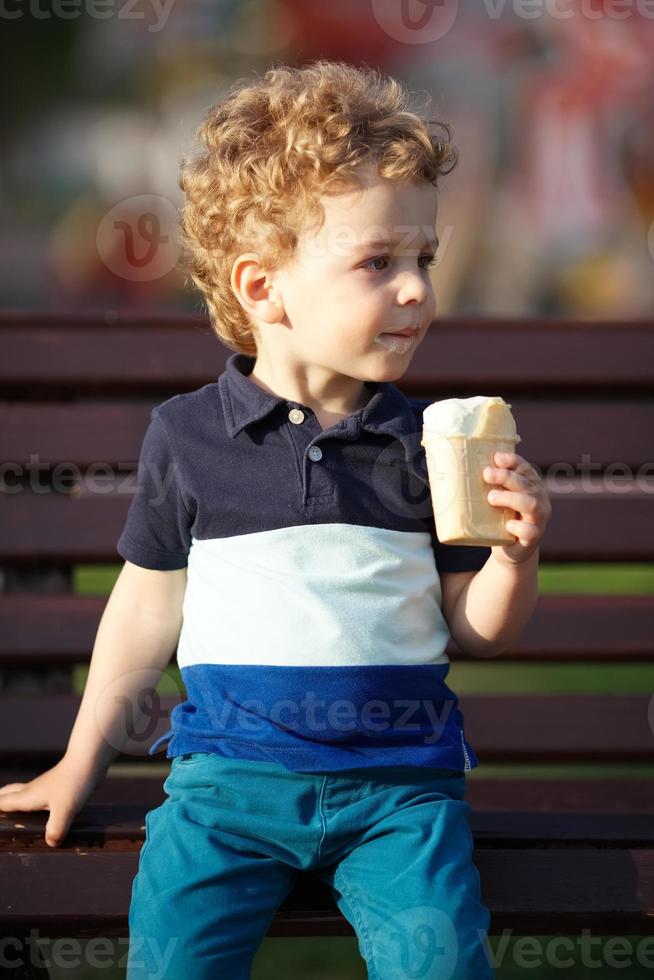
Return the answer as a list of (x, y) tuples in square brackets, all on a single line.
[(379, 258), (426, 261)]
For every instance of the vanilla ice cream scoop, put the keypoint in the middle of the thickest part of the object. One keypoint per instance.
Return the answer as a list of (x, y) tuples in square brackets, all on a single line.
[(479, 417), (461, 437)]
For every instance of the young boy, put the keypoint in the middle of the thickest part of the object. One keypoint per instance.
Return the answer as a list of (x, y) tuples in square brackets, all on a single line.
[(283, 542)]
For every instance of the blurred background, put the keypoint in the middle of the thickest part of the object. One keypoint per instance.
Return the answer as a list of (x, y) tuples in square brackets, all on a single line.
[(550, 209)]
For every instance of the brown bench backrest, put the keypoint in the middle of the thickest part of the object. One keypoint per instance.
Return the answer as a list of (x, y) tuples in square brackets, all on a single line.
[(78, 390)]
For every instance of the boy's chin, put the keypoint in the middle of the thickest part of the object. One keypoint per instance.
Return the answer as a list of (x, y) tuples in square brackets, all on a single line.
[(390, 368)]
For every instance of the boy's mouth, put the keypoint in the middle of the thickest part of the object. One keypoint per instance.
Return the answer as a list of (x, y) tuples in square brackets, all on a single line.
[(407, 332), (398, 343)]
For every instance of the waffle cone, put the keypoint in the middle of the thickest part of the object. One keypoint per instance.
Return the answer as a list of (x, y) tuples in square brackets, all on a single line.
[(462, 512)]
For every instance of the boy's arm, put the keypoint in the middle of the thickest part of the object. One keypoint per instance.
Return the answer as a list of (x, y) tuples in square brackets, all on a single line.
[(487, 610), (491, 609), (136, 637), (137, 634)]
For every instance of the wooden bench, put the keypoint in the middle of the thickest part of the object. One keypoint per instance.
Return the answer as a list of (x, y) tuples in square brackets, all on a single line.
[(555, 855)]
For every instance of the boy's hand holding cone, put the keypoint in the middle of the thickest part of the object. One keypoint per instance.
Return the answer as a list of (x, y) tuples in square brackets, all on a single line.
[(469, 443)]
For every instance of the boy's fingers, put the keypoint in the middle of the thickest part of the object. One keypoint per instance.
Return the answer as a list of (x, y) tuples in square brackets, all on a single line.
[(21, 800), (23, 797), (57, 826), (10, 801), (56, 829)]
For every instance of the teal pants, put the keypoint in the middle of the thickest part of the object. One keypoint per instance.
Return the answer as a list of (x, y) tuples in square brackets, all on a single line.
[(224, 849)]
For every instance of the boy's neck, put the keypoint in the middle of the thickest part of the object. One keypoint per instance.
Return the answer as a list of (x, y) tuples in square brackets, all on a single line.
[(328, 410)]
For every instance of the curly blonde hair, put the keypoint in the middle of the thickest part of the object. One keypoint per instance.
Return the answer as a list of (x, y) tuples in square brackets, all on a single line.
[(271, 149)]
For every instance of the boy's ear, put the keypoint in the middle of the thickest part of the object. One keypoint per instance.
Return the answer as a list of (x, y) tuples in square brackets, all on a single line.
[(254, 288)]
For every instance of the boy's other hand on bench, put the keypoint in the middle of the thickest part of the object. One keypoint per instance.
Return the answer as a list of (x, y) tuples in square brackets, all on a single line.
[(63, 790)]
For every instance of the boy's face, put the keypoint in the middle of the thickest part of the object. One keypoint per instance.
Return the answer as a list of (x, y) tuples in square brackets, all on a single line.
[(342, 294)]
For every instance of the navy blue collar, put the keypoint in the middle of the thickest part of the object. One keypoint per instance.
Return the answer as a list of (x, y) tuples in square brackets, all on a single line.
[(388, 410)]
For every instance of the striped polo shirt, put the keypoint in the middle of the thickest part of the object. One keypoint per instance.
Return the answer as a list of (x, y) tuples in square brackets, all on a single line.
[(312, 632)]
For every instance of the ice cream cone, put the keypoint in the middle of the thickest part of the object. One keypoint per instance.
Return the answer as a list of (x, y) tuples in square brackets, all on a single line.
[(455, 464)]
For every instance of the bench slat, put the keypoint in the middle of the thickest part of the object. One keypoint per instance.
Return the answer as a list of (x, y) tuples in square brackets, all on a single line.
[(57, 527), (576, 794), (528, 889), (57, 630), (121, 827), (522, 727), (469, 354), (558, 356), (552, 432)]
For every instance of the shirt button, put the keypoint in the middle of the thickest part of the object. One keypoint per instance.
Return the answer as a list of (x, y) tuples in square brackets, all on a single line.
[(296, 415), (315, 453)]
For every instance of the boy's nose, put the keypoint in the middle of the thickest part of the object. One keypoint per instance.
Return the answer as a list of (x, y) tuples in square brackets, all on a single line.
[(413, 287)]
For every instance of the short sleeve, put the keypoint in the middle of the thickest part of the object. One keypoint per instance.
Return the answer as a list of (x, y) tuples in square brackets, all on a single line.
[(460, 557), (157, 531)]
